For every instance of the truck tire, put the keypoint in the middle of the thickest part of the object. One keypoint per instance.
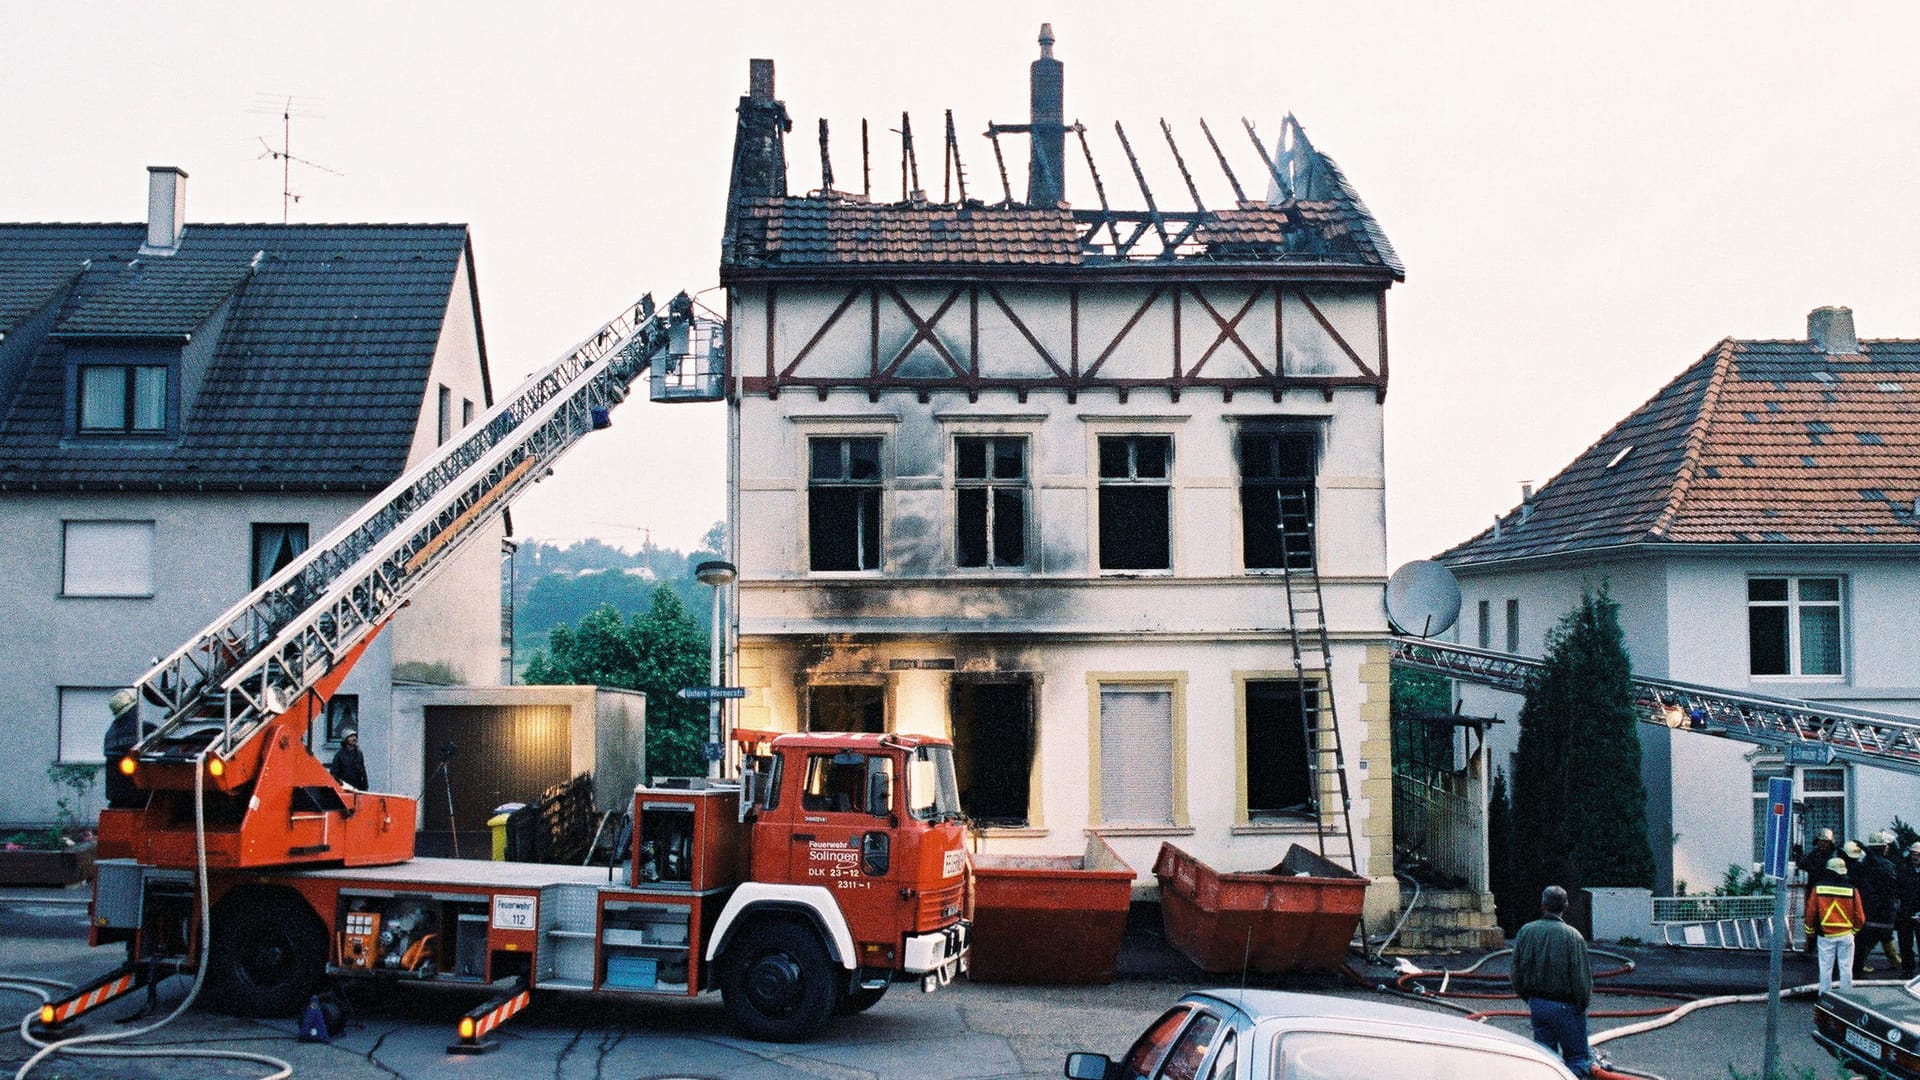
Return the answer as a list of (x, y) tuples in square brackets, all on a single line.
[(777, 983), (269, 954)]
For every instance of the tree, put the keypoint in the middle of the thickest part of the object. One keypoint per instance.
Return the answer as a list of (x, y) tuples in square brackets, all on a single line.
[(1579, 805), (1511, 905), (658, 652)]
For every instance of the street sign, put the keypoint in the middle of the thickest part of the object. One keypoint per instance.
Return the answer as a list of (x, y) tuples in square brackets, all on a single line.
[(1807, 752), (713, 693), (715, 751), (1779, 824)]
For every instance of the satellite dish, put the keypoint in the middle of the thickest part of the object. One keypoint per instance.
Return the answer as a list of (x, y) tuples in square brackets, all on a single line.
[(1423, 599)]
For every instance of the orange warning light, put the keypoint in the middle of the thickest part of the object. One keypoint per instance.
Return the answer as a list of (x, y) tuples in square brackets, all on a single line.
[(466, 1027), (216, 767), (126, 766), (46, 1014)]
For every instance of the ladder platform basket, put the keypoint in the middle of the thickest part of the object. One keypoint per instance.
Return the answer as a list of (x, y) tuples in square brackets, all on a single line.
[(1049, 919), (1297, 916)]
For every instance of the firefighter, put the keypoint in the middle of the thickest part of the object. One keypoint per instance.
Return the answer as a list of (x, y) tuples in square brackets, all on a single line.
[(1833, 912), (349, 767), (1813, 865), (123, 731), (1879, 885), (1909, 914)]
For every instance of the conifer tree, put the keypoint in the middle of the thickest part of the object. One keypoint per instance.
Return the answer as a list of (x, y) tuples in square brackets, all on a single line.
[(1579, 805)]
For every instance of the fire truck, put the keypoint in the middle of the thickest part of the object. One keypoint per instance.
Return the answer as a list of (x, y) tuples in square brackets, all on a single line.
[(827, 867)]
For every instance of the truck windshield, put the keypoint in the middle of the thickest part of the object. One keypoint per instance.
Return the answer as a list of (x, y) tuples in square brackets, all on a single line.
[(932, 792)]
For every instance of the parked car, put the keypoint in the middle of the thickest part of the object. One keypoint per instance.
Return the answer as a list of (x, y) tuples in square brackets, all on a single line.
[(1274, 1035), (1872, 1028)]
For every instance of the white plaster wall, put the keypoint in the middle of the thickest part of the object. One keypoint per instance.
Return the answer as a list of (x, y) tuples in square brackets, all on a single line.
[(455, 619), (1067, 755), (203, 546)]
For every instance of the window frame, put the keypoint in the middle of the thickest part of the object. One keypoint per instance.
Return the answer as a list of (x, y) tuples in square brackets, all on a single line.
[(1513, 625), (1483, 610), (1794, 607), (1176, 683), (992, 485), (257, 533), (128, 401), (1244, 814), (1274, 484), (868, 489), (342, 711), (1103, 484), (100, 694), (66, 555)]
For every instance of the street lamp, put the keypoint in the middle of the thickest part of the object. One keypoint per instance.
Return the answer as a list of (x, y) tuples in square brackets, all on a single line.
[(719, 575)]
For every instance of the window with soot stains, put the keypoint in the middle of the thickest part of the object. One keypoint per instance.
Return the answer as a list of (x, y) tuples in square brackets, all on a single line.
[(1136, 498), (843, 504), (990, 480), (1276, 498)]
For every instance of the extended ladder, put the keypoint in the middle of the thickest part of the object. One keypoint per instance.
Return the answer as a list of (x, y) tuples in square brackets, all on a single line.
[(1883, 740), (260, 657), (1313, 675)]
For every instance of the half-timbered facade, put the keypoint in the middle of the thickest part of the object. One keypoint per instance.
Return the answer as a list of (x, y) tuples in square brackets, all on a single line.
[(1048, 478)]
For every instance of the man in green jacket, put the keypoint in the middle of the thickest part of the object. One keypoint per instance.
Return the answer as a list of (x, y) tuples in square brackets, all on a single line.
[(1551, 973)]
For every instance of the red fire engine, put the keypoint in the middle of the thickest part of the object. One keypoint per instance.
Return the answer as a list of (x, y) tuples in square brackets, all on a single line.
[(833, 864)]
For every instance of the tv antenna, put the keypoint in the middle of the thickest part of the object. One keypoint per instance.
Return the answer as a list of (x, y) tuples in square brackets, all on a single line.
[(287, 107)]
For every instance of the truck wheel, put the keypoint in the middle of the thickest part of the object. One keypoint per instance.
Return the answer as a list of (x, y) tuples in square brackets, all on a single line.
[(269, 954), (777, 982), (858, 1000)]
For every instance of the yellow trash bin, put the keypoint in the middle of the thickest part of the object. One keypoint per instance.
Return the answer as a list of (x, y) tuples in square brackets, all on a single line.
[(498, 825)]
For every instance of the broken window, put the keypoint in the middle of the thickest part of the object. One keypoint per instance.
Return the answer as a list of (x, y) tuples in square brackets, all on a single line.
[(993, 741), (1279, 774), (1276, 498), (990, 475), (1136, 754), (847, 707), (843, 504), (1135, 502)]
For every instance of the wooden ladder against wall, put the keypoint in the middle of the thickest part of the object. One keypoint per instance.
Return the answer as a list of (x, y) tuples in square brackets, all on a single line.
[(1313, 675)]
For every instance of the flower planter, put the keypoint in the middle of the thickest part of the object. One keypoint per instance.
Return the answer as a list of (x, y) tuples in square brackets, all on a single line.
[(1049, 919), (47, 866)]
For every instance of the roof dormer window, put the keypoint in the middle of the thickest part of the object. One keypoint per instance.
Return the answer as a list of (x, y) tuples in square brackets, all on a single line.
[(122, 398)]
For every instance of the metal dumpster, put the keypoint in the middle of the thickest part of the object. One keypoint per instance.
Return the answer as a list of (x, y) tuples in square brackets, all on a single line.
[(1049, 919), (1297, 916)]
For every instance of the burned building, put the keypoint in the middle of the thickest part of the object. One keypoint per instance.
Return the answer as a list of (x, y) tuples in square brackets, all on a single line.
[(1091, 483)]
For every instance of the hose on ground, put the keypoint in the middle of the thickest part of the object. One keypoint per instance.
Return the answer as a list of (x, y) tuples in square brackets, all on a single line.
[(88, 1045)]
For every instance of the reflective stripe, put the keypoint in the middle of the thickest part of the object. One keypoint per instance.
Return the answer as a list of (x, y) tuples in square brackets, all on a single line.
[(501, 1013), (99, 995)]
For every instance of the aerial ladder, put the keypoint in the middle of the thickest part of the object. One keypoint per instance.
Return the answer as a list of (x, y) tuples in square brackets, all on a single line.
[(1811, 732), (236, 701)]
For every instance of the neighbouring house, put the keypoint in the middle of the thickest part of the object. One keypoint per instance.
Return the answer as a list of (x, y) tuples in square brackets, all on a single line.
[(184, 407), (1017, 472), (1756, 520)]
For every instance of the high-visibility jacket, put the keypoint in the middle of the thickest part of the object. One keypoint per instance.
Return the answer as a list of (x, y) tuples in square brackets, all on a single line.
[(1833, 910)]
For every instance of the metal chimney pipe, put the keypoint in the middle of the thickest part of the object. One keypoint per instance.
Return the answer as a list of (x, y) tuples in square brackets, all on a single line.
[(1046, 184)]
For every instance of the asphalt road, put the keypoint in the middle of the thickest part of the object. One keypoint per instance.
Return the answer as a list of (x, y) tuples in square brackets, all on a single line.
[(962, 1031)]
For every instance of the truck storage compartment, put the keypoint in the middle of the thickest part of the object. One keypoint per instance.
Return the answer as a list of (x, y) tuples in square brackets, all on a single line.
[(645, 946), (1049, 918), (1297, 916)]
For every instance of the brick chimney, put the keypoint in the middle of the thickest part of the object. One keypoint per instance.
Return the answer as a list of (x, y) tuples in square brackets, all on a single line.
[(1046, 185), (166, 209), (1830, 330)]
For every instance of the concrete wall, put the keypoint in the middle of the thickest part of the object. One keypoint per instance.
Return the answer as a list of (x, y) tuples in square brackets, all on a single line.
[(450, 632), (202, 553)]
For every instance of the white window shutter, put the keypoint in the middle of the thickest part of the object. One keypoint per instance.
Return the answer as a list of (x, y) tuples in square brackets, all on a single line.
[(1136, 755), (108, 558)]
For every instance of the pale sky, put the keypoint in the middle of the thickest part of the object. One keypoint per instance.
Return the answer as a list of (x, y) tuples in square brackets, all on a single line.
[(1587, 196)]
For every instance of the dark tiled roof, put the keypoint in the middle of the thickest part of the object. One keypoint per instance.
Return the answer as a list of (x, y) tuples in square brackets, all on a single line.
[(315, 378), (816, 231), (1756, 442)]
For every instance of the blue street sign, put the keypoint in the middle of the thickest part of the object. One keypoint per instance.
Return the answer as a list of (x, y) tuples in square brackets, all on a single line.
[(714, 751), (713, 693), (1808, 752), (1779, 824)]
